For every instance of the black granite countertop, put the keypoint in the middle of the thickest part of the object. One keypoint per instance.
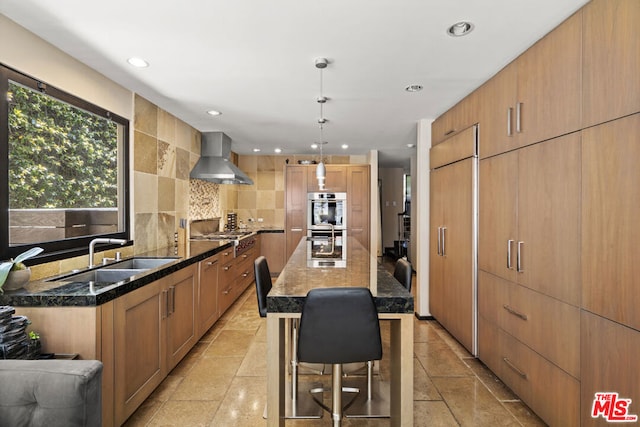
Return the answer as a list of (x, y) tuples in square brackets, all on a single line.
[(51, 293), (297, 278)]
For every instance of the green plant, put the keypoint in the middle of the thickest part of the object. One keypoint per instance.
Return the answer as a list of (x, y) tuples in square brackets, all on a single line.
[(16, 264)]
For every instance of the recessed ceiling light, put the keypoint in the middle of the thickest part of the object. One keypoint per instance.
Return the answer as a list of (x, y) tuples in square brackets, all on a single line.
[(278, 150), (214, 113), (460, 29), (345, 146), (413, 88), (411, 145), (314, 146), (138, 62), (256, 150)]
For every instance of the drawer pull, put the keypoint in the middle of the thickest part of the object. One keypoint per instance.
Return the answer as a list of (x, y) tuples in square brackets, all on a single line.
[(449, 132), (226, 292), (515, 312), (210, 263), (515, 368), (296, 229), (245, 274), (226, 253), (245, 256), (227, 267)]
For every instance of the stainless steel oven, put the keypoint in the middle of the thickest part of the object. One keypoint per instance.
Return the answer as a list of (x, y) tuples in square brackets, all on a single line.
[(327, 230), (326, 209)]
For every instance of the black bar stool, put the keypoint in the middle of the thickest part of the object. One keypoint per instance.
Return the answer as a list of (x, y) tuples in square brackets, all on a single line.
[(339, 325), (296, 406), (402, 273)]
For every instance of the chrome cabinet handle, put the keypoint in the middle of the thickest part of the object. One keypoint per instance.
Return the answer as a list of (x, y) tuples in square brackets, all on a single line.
[(515, 368), (226, 291), (172, 291), (519, 117), (210, 263), (296, 229), (245, 274), (227, 267), (444, 241), (519, 268), (438, 246), (449, 132), (165, 303), (509, 112), (509, 266), (514, 312)]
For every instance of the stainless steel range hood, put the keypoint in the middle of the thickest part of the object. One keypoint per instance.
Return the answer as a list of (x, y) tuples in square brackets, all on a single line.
[(214, 164)]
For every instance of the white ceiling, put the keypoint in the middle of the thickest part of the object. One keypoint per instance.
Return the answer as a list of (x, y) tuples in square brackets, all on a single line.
[(253, 60)]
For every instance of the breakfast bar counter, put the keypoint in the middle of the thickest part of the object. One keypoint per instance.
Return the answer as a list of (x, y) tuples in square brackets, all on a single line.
[(393, 301)]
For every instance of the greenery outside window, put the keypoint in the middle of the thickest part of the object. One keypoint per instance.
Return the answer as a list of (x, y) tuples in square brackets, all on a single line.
[(66, 166)]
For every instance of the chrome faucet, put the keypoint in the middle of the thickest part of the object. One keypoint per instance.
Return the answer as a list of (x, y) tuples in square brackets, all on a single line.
[(92, 246)]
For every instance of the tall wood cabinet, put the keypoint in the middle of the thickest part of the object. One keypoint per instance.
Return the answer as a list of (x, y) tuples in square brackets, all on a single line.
[(352, 179), (611, 85), (453, 211), (558, 228), (537, 96)]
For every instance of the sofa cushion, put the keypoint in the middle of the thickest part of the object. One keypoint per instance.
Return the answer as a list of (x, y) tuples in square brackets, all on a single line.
[(50, 393)]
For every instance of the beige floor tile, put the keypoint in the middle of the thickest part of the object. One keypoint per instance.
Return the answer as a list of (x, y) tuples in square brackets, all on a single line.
[(472, 404), (230, 343), (189, 361), (497, 387), (428, 414), (144, 413), (244, 401), (523, 414), (208, 380), (423, 388), (185, 413), (424, 332), (438, 359), (254, 363)]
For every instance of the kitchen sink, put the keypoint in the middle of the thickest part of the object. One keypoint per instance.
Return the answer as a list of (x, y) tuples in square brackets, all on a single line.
[(103, 275), (139, 263)]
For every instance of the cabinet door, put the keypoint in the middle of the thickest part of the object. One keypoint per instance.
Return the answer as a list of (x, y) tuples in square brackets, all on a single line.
[(610, 225), (358, 204), (549, 84), (549, 217), (611, 60), (208, 293), (498, 215), (335, 178), (497, 112), (140, 347), (459, 117), (609, 364), (458, 250), (438, 186), (272, 247), (296, 206), (181, 333)]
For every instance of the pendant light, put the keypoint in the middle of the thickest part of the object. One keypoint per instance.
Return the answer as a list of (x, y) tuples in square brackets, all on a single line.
[(321, 170)]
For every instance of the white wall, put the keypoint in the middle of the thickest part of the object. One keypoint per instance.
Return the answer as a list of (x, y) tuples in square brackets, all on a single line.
[(25, 52), (421, 203)]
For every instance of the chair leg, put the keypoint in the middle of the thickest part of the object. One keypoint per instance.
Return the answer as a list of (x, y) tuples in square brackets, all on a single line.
[(336, 391)]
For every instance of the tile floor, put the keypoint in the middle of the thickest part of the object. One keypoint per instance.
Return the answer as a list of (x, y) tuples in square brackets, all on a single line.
[(222, 382)]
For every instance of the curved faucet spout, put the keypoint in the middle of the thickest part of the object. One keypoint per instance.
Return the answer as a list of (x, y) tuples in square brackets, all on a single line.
[(92, 246)]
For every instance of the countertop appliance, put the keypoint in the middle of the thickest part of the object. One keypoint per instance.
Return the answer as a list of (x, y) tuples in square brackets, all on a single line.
[(327, 209), (209, 229), (327, 229)]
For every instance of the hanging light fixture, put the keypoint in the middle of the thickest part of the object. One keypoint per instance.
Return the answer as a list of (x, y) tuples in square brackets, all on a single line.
[(321, 170)]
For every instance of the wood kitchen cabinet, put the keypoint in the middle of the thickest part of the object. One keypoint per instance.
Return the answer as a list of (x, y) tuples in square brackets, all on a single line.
[(297, 184), (609, 364), (536, 97), (358, 204), (154, 327), (611, 48), (458, 118), (453, 235), (295, 206), (208, 293), (234, 277), (610, 225), (272, 246), (335, 178), (530, 217)]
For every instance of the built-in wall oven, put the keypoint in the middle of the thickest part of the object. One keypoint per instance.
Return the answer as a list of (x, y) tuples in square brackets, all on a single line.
[(327, 229)]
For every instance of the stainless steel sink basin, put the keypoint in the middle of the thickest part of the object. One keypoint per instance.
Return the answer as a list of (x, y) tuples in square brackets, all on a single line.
[(139, 263), (103, 275)]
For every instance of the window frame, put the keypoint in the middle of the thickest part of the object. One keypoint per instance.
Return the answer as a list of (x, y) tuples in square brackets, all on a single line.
[(74, 246)]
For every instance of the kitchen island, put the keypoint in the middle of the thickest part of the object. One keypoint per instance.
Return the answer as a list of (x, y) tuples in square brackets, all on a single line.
[(393, 301)]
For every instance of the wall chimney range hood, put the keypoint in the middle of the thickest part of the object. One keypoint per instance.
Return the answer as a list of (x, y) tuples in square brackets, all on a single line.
[(214, 164)]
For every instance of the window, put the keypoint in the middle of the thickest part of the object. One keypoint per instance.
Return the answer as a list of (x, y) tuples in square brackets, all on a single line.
[(66, 163)]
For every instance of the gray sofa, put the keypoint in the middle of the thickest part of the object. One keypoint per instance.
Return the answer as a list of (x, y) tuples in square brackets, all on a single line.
[(50, 393)]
